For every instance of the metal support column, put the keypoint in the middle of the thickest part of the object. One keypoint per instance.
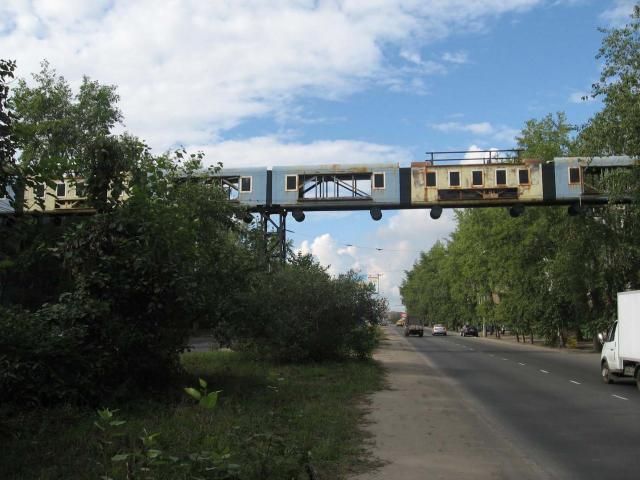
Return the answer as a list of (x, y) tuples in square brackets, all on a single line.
[(274, 234)]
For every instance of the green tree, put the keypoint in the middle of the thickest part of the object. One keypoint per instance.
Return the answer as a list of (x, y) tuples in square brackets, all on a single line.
[(298, 312), (615, 130), (60, 133), (7, 140), (547, 138)]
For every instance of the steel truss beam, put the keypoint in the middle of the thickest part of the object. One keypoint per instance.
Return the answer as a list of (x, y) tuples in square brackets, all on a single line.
[(274, 233)]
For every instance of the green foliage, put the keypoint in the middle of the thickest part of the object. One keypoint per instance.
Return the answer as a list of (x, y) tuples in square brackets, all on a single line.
[(7, 118), (30, 273), (615, 130), (275, 421), (136, 279), (56, 127), (157, 266), (300, 313), (544, 273), (547, 138), (122, 456), (60, 133), (101, 307), (205, 398), (45, 358)]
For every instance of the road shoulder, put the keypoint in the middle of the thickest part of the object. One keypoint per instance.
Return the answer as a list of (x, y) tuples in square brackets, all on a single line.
[(422, 427)]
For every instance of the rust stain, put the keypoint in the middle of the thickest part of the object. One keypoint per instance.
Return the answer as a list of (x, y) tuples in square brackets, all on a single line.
[(532, 161)]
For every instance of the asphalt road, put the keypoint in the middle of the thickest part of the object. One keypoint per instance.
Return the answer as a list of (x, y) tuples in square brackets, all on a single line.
[(547, 403)]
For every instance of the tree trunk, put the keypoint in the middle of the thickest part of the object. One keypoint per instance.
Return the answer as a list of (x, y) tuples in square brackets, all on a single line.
[(561, 338), (18, 196)]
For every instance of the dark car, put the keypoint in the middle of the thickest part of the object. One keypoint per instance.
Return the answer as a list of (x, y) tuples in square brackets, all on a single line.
[(469, 331)]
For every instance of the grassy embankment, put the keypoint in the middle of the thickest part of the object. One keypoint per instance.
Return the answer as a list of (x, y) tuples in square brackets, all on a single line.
[(266, 420)]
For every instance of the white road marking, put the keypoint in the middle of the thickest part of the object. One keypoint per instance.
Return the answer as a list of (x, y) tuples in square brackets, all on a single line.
[(505, 359), (543, 371), (573, 381), (618, 396), (520, 363), (471, 348), (491, 355)]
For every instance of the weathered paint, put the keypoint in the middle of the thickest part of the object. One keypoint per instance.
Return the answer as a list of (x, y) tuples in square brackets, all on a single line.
[(258, 194), (388, 196), (567, 191), (403, 187), (489, 191), (51, 202)]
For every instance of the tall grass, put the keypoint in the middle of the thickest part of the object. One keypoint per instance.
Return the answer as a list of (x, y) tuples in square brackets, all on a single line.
[(270, 421)]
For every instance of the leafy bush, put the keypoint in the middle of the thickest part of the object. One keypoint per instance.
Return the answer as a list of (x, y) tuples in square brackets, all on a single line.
[(141, 275), (44, 357), (300, 313)]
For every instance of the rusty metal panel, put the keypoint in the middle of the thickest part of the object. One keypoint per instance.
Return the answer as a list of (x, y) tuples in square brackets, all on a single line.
[(468, 193), (567, 191), (478, 194)]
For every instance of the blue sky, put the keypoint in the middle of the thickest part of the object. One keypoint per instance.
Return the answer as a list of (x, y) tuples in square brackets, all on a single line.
[(263, 83)]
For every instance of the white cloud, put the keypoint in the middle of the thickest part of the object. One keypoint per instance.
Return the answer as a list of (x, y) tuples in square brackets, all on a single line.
[(498, 133), (506, 136), (476, 154), (455, 57), (482, 128), (272, 151), (338, 258), (411, 56), (400, 239), (189, 70), (620, 13)]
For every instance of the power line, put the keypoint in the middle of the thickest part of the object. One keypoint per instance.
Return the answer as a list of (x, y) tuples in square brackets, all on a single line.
[(378, 249)]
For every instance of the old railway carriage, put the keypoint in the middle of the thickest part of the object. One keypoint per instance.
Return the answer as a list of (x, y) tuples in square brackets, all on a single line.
[(431, 184), (459, 185), (577, 178), (337, 187)]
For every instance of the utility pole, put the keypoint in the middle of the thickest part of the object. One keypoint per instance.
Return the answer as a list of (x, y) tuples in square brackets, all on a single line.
[(376, 277)]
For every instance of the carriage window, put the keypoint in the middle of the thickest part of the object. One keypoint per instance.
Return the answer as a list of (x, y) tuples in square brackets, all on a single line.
[(378, 180), (431, 179), (501, 177), (523, 176), (476, 177), (245, 184), (40, 190), (574, 175), (61, 189), (292, 183), (454, 179), (80, 189)]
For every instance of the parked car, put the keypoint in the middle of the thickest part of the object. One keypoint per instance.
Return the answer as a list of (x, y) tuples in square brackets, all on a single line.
[(400, 323), (439, 330), (469, 331)]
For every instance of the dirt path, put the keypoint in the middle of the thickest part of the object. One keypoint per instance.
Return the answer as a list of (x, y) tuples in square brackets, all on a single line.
[(423, 428)]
